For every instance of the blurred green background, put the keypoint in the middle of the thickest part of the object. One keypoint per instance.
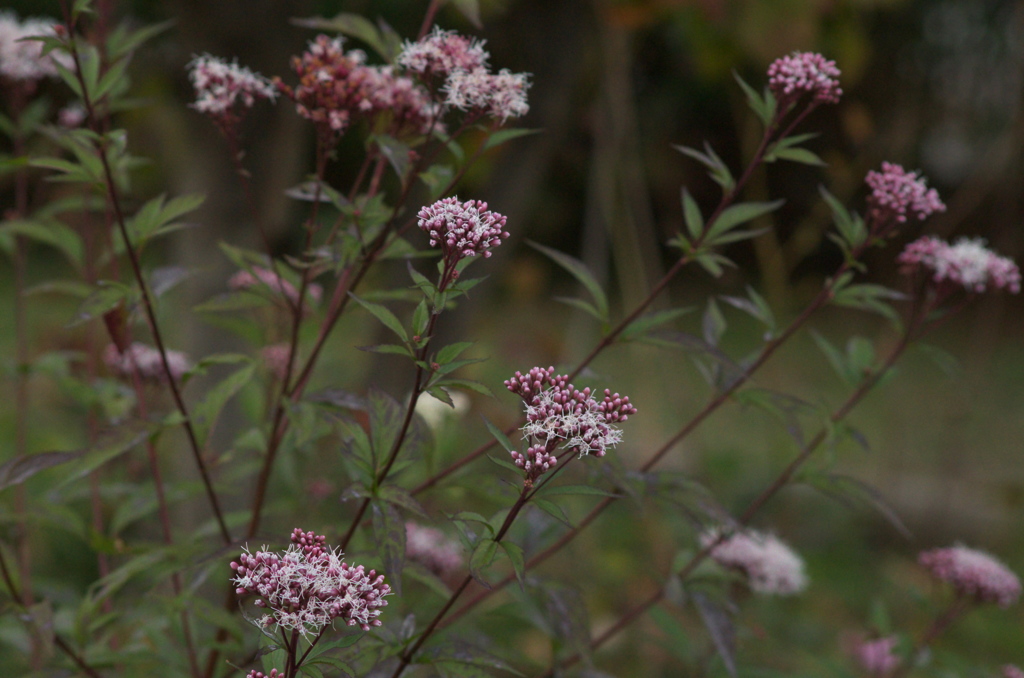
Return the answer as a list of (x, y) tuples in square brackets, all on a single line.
[(936, 85)]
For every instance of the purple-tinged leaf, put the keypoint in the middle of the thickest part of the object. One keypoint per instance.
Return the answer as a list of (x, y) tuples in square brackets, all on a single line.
[(18, 470), (718, 622)]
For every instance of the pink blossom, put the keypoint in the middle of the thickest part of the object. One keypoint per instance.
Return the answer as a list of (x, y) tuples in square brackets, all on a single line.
[(221, 85), (72, 115), (275, 358), (22, 59), (499, 95), (968, 264), (1011, 671), (791, 76), (770, 565), (463, 229), (559, 416), (147, 360), (440, 53), (973, 573), (897, 194), (274, 673), (876, 656), (259, 276), (308, 586), (433, 549), (396, 104)]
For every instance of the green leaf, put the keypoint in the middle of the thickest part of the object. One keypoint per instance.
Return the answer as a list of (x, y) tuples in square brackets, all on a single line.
[(645, 324), (835, 358), (109, 447), (451, 352), (354, 26), (124, 40), (851, 228), (585, 490), (207, 411), (515, 556), (384, 315), (401, 498), (18, 470), (393, 349), (50, 232), (499, 435), (579, 271), (550, 507), (691, 214), (584, 306), (763, 107), (800, 155), (733, 216), (386, 417), (713, 324), (501, 136), (719, 172), (389, 536), (471, 10), (106, 296), (483, 555)]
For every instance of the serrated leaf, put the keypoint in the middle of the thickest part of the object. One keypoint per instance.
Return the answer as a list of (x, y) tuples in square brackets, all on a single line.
[(735, 215), (515, 556), (800, 155), (587, 490), (720, 627), (401, 498), (692, 216), (501, 136), (483, 555), (18, 470), (499, 435), (384, 315), (644, 324), (550, 507), (110, 447), (389, 536), (579, 271)]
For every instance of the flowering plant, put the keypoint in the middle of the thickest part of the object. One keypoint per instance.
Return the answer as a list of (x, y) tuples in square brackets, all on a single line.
[(188, 462)]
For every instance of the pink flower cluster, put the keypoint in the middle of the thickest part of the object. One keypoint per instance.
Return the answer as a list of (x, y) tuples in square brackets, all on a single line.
[(1011, 671), (500, 95), (464, 229), (146, 359), (220, 85), (274, 673), (259, 276), (441, 53), (559, 416), (337, 87), (897, 193), (968, 264), (768, 563), (308, 586), (22, 60), (974, 574), (433, 549), (799, 73), (876, 656), (468, 84)]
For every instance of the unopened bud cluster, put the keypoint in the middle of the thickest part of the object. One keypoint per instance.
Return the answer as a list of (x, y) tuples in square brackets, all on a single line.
[(462, 229), (897, 195), (973, 574), (308, 586), (967, 264), (560, 416), (792, 76)]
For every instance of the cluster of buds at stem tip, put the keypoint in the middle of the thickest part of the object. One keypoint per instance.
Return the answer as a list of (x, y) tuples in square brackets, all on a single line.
[(462, 229), (274, 673), (308, 586), (800, 74), (898, 196), (561, 417)]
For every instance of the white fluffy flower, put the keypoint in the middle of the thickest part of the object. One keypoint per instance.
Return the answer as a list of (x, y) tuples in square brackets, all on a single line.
[(769, 564)]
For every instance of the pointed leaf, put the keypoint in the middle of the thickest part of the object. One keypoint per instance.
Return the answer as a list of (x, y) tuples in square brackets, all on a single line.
[(579, 271), (384, 315)]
